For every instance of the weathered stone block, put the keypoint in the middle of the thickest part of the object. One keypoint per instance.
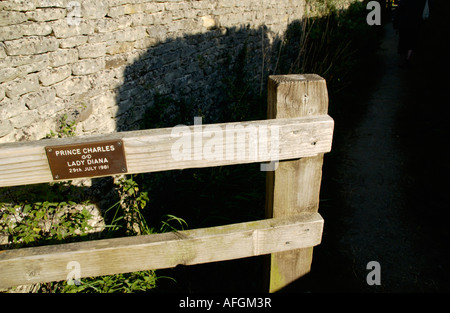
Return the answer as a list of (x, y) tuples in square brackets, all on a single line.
[(120, 48), (105, 25), (124, 21), (179, 10), (157, 32), (112, 24), (131, 34), (152, 7), (62, 29), (10, 32), (115, 61), (17, 5), (209, 22), (39, 98), (36, 29), (102, 80), (162, 18), (24, 119), (125, 9), (5, 128), (72, 85), (95, 124), (175, 26), (108, 99), (36, 131), (54, 75), (91, 50), (21, 86), (201, 5), (72, 41), (142, 19), (88, 66), (46, 14), (145, 43), (31, 45), (41, 62), (2, 51), (7, 74), (51, 108), (12, 18), (94, 9), (52, 3), (82, 111), (11, 107), (102, 37), (17, 61), (62, 57)]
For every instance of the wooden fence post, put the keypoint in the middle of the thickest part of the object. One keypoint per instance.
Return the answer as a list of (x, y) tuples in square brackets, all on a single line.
[(293, 188)]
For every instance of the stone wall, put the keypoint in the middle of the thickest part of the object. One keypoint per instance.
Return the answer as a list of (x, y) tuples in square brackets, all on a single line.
[(103, 62)]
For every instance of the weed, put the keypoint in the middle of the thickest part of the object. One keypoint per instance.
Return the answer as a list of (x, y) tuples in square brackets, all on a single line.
[(129, 212), (27, 222), (128, 219), (66, 128), (331, 44), (140, 281)]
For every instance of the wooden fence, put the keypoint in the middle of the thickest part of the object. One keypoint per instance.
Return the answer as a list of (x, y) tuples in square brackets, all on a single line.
[(297, 109)]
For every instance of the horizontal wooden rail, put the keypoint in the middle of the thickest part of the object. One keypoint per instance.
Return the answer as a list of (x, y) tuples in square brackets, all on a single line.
[(129, 254), (24, 163)]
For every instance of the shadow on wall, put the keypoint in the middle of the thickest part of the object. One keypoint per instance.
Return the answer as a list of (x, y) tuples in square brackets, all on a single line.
[(215, 75), (221, 75)]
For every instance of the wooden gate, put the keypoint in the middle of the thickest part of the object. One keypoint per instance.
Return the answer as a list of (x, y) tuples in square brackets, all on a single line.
[(301, 132)]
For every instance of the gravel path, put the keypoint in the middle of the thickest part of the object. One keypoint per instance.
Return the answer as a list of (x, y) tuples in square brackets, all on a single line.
[(385, 189)]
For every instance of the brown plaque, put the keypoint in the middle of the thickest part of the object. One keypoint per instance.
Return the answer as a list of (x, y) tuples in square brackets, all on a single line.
[(87, 159)]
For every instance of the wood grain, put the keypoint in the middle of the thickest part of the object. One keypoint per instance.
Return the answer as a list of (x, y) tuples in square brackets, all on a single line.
[(129, 254), (151, 150), (294, 188)]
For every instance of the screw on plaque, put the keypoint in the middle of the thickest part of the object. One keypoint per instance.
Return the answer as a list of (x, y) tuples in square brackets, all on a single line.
[(50, 150), (56, 176)]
